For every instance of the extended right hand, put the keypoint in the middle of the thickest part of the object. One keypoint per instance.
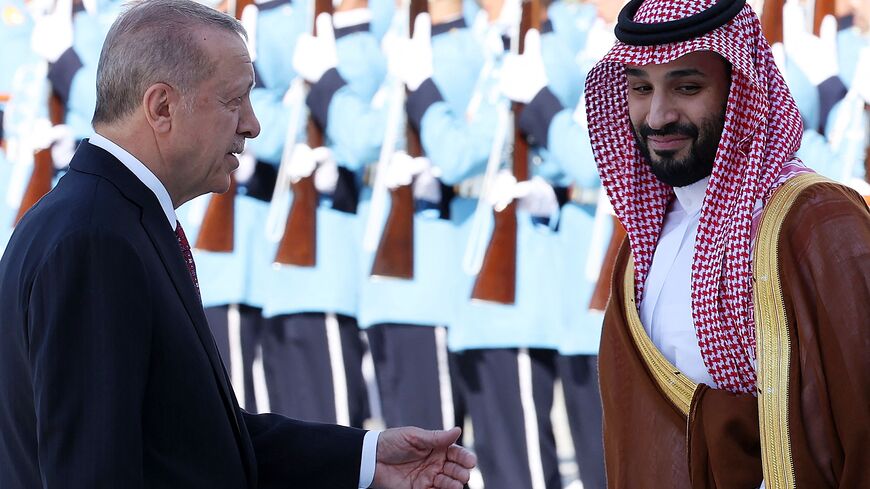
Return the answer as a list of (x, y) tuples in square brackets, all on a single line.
[(315, 55)]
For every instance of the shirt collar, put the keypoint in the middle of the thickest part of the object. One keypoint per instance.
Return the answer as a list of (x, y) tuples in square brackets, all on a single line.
[(457, 22), (691, 197), (142, 173), (352, 17)]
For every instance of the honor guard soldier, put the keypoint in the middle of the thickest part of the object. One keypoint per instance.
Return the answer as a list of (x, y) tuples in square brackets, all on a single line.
[(233, 255), (314, 346), (16, 27), (408, 309), (506, 351), (585, 226)]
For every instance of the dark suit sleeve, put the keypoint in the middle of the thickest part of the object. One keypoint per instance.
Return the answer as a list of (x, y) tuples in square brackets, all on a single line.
[(89, 343), (293, 453)]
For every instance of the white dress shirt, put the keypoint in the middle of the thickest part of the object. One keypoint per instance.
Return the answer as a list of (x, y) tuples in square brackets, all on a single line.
[(142, 173), (147, 177), (666, 308)]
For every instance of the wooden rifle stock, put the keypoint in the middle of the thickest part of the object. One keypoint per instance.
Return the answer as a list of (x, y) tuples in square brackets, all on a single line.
[(820, 10), (497, 279), (43, 166), (300, 252), (867, 165), (298, 244), (217, 231), (771, 20), (394, 257), (601, 294)]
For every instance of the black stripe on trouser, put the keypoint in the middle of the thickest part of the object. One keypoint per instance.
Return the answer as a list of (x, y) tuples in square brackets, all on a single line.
[(490, 385), (252, 325), (579, 374), (406, 368), (299, 373)]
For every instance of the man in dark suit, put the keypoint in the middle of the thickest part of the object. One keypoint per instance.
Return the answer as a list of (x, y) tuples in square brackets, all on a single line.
[(109, 377)]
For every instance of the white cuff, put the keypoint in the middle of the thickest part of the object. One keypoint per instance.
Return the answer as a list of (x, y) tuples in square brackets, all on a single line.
[(369, 459)]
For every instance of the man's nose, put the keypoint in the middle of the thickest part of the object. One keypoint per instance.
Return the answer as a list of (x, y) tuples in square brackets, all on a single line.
[(249, 126), (662, 111)]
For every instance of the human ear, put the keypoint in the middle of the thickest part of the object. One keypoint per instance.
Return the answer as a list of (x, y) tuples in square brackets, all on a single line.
[(158, 102)]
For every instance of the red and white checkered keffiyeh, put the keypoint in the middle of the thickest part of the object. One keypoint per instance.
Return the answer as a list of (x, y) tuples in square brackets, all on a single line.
[(762, 131)]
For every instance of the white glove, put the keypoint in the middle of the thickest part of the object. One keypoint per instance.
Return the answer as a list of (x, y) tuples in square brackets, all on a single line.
[(536, 197), (523, 76), (326, 175), (63, 147), (503, 191), (509, 17), (315, 55), (249, 20), (815, 56), (861, 80), (302, 162), (53, 33), (411, 59), (778, 52), (247, 166), (403, 168), (426, 184)]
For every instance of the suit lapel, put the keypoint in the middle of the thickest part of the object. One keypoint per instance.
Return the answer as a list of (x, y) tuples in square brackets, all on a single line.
[(94, 160)]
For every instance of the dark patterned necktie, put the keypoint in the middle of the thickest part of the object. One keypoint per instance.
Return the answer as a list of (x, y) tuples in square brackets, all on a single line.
[(188, 256)]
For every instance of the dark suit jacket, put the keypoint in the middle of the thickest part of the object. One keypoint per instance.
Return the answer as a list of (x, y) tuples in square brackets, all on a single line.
[(109, 376)]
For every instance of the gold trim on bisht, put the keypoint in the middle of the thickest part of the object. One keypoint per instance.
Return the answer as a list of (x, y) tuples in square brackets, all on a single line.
[(773, 345), (678, 388)]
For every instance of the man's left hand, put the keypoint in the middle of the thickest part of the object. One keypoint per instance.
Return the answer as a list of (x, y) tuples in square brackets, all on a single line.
[(414, 458)]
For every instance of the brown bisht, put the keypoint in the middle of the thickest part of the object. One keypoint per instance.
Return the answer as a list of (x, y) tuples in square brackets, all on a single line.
[(809, 424)]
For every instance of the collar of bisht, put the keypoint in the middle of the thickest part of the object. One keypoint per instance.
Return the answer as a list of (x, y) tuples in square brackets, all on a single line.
[(761, 133)]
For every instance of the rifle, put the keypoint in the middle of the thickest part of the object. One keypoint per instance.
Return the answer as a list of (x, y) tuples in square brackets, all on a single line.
[(395, 254), (497, 279), (822, 8), (771, 20), (601, 293), (43, 166), (298, 244), (217, 231)]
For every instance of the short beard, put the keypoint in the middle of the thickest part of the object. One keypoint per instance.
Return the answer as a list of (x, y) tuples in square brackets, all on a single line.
[(699, 162)]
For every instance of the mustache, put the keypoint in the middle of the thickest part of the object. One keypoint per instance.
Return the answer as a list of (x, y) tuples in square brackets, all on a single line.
[(238, 147), (672, 129)]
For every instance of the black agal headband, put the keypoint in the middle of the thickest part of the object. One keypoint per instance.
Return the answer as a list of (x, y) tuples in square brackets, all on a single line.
[(639, 34)]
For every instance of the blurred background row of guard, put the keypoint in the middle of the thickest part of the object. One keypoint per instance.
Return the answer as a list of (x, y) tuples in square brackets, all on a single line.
[(418, 235)]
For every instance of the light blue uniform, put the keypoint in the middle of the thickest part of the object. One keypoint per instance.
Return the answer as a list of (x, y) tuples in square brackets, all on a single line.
[(74, 75), (565, 143), (816, 149), (242, 276), (330, 285), (536, 319), (850, 41), (425, 300), (571, 21), (491, 339), (16, 26)]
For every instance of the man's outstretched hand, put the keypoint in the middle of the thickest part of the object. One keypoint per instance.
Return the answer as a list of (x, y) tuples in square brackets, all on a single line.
[(414, 458)]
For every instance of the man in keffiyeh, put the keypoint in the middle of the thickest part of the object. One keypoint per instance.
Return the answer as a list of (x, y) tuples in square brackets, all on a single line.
[(734, 351)]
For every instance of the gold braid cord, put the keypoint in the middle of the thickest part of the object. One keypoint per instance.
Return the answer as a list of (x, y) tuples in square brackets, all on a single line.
[(774, 345), (678, 388)]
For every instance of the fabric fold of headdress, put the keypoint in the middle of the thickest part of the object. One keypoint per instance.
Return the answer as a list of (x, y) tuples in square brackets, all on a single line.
[(761, 133)]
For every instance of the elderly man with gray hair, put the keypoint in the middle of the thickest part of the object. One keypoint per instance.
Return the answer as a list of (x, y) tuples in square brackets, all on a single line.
[(109, 376)]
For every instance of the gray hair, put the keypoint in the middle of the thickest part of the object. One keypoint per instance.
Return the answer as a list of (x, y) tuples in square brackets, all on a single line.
[(153, 41)]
